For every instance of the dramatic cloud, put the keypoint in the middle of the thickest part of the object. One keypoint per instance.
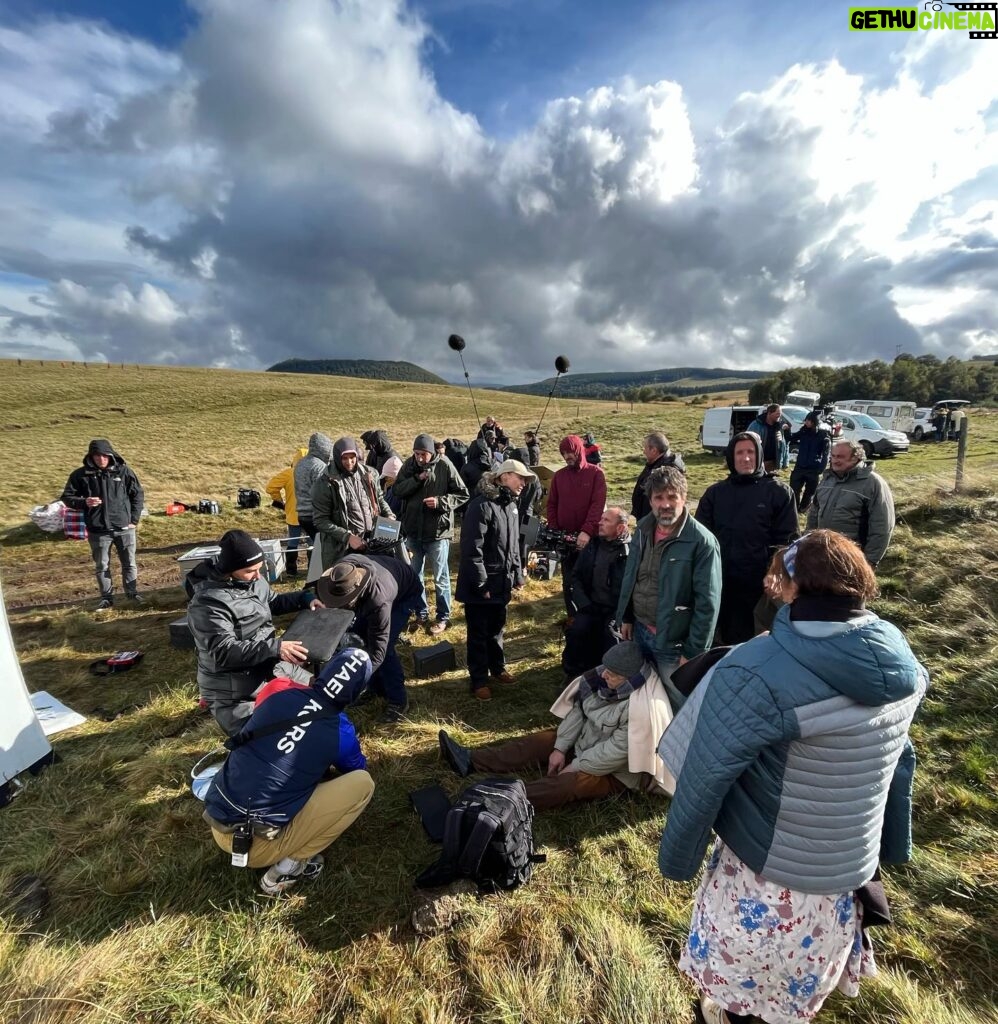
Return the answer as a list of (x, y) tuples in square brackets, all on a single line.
[(293, 184)]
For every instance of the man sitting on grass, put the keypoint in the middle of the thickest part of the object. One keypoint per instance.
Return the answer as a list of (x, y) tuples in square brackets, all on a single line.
[(612, 720), (273, 779)]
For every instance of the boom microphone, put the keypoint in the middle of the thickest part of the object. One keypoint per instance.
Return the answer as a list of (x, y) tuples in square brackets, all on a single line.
[(457, 343), (561, 364)]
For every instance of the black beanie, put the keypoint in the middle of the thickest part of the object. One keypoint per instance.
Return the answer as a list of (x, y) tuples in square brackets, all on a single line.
[(424, 443), (100, 446), (238, 551)]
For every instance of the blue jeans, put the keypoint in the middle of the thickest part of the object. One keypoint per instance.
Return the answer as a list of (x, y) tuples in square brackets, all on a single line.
[(436, 553), (665, 663), (124, 544)]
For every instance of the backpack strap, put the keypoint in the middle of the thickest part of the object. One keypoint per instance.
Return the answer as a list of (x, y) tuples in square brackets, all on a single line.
[(485, 827)]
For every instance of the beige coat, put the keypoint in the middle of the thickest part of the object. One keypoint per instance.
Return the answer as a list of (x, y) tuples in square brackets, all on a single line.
[(649, 716)]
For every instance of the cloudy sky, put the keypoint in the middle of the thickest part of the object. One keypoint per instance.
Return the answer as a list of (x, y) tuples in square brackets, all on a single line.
[(636, 184)]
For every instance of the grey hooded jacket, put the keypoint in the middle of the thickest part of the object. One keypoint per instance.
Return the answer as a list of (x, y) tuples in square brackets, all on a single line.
[(309, 469), (858, 505)]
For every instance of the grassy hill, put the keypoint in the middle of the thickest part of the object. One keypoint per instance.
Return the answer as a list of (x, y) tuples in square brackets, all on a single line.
[(679, 380), (372, 369), (149, 924)]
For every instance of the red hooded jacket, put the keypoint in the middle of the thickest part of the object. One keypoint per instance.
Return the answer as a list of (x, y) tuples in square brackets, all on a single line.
[(578, 493)]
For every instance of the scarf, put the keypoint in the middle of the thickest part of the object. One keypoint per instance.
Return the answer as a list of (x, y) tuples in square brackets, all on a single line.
[(593, 682)]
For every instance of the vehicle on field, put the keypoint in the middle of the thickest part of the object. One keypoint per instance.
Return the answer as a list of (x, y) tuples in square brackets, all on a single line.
[(857, 426), (924, 426), (888, 412), (722, 423)]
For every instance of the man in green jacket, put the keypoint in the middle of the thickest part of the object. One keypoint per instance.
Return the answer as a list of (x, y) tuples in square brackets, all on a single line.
[(671, 592), (430, 490)]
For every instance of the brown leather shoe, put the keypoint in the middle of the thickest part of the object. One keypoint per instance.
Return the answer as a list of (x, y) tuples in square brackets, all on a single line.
[(438, 627), (482, 693), (505, 678)]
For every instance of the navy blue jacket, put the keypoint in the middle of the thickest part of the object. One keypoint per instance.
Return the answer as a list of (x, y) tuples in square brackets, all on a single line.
[(271, 778), (813, 447)]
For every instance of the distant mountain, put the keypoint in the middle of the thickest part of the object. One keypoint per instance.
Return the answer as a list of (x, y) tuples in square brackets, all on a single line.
[(373, 369), (681, 380)]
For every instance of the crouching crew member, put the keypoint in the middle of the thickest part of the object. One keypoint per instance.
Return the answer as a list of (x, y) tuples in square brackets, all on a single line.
[(381, 591), (272, 781), (230, 616)]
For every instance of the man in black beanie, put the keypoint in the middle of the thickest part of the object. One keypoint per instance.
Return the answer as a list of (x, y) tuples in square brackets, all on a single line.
[(230, 616), (108, 493)]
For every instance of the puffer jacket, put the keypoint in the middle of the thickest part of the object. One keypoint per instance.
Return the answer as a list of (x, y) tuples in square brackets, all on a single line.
[(578, 493), (689, 591), (794, 750), (270, 779), (233, 628), (333, 495), (858, 505), (117, 487), (750, 514), (597, 730), (478, 461), (490, 547), (309, 468), (443, 483), (281, 487)]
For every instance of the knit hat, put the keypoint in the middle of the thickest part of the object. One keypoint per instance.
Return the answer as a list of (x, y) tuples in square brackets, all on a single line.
[(514, 466), (238, 551), (100, 446), (625, 659), (344, 676), (424, 443), (339, 586)]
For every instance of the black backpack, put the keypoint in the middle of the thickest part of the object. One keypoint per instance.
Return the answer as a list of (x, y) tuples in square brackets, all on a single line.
[(488, 837), (248, 498)]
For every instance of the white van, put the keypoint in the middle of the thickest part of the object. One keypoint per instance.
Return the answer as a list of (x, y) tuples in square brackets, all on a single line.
[(721, 424), (890, 414)]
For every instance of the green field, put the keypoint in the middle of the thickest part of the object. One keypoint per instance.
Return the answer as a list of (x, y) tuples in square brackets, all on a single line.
[(148, 923)]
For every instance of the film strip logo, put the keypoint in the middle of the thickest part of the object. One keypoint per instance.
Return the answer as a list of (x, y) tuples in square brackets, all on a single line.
[(977, 33)]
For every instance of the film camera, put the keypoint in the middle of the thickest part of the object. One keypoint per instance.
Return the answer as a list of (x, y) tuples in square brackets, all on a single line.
[(547, 551)]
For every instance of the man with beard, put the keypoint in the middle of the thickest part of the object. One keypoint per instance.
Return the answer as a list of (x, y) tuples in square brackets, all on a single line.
[(751, 513), (596, 583), (430, 491), (671, 592), (346, 499), (575, 504)]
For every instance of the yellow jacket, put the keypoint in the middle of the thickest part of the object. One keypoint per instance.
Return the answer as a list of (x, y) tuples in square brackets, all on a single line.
[(282, 488)]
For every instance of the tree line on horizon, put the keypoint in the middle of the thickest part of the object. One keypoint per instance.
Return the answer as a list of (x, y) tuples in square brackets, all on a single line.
[(919, 379)]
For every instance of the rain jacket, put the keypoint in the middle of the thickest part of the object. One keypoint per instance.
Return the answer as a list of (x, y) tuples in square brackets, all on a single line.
[(858, 505), (117, 487), (308, 470), (443, 483), (282, 488), (379, 449), (578, 493)]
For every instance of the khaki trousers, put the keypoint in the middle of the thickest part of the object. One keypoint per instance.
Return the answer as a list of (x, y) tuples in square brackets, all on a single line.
[(533, 751), (330, 811)]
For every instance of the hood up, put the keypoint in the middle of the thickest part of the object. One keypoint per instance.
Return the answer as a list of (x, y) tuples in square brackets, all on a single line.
[(729, 456)]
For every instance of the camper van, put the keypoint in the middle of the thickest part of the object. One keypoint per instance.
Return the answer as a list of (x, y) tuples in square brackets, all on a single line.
[(890, 414)]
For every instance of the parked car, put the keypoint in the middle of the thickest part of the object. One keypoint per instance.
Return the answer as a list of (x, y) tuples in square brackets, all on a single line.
[(923, 423), (722, 423), (857, 426)]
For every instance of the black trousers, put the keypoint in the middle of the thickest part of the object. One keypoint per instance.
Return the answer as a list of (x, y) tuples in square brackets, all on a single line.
[(587, 640), (736, 619), (568, 560), (804, 482), (485, 654), (308, 527)]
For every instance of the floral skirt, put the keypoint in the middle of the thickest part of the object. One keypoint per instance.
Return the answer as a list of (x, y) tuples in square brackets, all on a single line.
[(756, 947)]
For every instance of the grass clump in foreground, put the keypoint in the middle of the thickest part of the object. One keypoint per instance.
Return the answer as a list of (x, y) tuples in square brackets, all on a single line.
[(148, 923)]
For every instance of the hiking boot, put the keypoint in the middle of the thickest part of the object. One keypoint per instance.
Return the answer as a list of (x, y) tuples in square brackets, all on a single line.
[(458, 757), (438, 627), (136, 599), (104, 604), (394, 714), (273, 882), (291, 572), (505, 678), (482, 693), (706, 1011)]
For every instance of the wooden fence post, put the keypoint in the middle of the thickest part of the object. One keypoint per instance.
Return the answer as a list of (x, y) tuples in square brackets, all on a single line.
[(961, 453)]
